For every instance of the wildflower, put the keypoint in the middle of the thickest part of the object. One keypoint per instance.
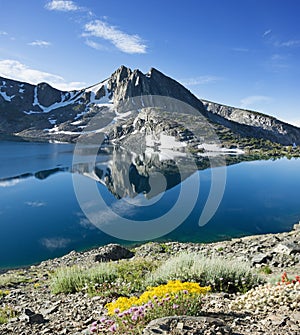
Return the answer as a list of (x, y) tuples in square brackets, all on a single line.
[(113, 328), (93, 329), (175, 306)]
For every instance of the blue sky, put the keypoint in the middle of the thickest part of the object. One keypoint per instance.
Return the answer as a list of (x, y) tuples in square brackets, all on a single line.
[(244, 53)]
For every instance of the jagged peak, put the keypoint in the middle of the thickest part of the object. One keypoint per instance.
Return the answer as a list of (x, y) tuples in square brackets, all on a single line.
[(121, 73)]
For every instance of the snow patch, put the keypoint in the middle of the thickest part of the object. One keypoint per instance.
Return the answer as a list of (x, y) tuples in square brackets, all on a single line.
[(95, 89), (6, 97), (214, 148), (165, 146), (52, 121)]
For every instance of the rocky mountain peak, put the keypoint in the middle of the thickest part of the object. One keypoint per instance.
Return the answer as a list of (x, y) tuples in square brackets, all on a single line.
[(44, 111), (47, 95)]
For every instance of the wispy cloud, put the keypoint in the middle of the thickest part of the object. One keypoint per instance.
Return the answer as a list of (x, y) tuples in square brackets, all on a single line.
[(267, 32), (40, 43), (288, 44), (131, 44), (35, 204), (3, 33), (62, 6), (278, 62), (55, 243), (240, 49), (200, 80), (254, 100), (95, 45), (16, 70)]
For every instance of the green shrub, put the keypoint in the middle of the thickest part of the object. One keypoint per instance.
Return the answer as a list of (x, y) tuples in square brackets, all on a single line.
[(73, 279), (221, 274), (122, 278)]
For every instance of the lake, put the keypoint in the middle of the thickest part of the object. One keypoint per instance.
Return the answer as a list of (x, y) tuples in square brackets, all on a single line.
[(42, 214)]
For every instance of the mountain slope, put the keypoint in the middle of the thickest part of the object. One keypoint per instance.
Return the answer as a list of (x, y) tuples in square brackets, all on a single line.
[(41, 111)]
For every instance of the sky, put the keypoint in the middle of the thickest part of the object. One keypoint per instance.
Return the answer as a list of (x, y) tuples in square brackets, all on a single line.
[(242, 53)]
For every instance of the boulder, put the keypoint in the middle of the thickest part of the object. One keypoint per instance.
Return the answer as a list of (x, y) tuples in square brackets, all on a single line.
[(260, 258), (287, 248), (113, 252)]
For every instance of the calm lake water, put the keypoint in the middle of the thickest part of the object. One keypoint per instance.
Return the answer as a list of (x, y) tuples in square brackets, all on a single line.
[(40, 217)]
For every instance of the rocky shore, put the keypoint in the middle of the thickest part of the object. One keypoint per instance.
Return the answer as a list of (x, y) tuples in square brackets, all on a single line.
[(41, 312)]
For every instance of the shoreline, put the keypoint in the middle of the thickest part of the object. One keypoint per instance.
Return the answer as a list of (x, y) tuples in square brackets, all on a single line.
[(135, 245), (169, 244), (268, 255)]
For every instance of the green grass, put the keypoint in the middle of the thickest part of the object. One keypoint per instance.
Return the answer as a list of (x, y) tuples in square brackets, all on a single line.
[(6, 313), (265, 270), (129, 277), (111, 278), (75, 278)]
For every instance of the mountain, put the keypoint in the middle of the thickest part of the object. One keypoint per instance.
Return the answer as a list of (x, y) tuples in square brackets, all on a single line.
[(43, 112)]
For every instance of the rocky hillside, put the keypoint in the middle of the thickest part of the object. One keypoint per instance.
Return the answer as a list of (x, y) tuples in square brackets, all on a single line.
[(41, 111)]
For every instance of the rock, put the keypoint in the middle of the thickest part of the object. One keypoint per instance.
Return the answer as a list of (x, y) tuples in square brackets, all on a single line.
[(287, 248), (296, 226), (49, 310), (260, 258), (185, 325), (32, 317), (277, 320), (113, 252)]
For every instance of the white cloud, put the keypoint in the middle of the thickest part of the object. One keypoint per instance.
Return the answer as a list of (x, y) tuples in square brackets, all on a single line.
[(95, 45), (254, 100), (200, 80), (130, 44), (3, 33), (39, 43), (267, 32), (288, 44), (61, 5), (35, 204), (15, 70), (10, 183), (55, 243)]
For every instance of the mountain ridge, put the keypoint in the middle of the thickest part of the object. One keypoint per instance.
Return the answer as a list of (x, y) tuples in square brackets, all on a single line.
[(44, 112)]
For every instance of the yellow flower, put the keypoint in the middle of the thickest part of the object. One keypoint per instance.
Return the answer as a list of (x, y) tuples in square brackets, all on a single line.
[(171, 289)]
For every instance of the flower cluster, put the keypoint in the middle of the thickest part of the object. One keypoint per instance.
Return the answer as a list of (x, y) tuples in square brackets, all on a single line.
[(130, 315), (171, 288), (287, 281), (3, 293)]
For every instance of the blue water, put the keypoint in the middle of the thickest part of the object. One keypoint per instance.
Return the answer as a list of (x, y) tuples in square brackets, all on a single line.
[(40, 217)]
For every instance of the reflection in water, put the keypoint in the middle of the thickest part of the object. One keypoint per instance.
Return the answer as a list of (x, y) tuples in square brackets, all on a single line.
[(40, 217), (127, 174), (11, 181)]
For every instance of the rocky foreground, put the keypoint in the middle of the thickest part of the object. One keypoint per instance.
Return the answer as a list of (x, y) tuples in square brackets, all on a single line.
[(42, 312)]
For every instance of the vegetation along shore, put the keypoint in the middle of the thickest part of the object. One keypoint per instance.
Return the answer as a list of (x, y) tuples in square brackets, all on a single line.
[(248, 285)]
